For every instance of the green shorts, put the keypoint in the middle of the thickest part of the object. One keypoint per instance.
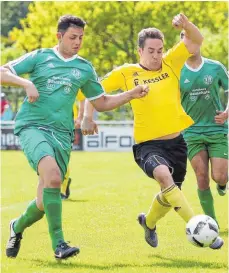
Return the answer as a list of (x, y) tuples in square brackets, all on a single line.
[(216, 145), (38, 142)]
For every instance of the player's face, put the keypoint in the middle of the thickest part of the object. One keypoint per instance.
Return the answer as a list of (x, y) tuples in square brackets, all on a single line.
[(70, 42), (151, 54)]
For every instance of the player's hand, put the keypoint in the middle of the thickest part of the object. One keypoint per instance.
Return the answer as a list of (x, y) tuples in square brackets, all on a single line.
[(31, 92), (221, 117), (88, 126), (139, 91), (180, 21)]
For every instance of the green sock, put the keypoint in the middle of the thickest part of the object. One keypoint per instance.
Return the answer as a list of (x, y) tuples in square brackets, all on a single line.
[(207, 202), (29, 217), (53, 211)]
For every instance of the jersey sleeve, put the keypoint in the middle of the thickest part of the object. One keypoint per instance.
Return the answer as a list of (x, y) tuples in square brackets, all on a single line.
[(92, 89), (223, 77), (176, 57), (24, 64), (114, 81)]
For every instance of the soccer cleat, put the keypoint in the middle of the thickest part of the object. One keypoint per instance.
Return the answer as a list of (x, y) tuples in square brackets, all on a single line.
[(67, 192), (64, 251), (150, 234), (14, 243), (222, 190), (217, 244)]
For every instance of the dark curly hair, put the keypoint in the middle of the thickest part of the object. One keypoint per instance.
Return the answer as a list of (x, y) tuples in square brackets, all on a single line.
[(67, 21)]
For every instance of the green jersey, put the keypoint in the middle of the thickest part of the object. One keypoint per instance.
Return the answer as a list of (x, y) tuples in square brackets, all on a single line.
[(200, 96), (57, 80)]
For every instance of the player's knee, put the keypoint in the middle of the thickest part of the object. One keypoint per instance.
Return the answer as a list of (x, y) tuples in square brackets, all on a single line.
[(220, 177), (40, 205), (202, 180), (163, 176), (54, 178)]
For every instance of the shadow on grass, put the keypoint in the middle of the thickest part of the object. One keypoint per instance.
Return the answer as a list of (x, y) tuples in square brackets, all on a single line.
[(165, 263), (78, 264), (184, 263), (75, 200)]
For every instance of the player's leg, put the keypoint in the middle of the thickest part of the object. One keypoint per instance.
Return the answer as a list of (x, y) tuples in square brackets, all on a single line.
[(29, 139), (159, 207), (156, 165), (218, 153), (49, 173), (51, 176), (200, 166), (199, 159), (65, 187), (171, 177)]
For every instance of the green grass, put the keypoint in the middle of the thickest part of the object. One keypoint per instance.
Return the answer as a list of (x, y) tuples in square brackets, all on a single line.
[(107, 193)]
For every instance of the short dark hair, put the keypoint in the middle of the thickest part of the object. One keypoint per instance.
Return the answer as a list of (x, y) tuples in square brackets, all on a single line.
[(152, 33), (67, 21)]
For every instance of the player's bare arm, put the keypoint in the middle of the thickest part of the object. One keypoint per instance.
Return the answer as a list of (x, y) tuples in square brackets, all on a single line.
[(192, 36), (8, 78), (110, 102), (106, 103)]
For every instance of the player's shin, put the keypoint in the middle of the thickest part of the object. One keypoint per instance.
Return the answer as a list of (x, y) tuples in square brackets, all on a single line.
[(207, 202), (159, 208), (29, 217), (177, 200), (53, 210)]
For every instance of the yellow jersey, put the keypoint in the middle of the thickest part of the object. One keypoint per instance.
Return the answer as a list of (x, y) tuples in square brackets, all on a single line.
[(160, 112), (79, 97)]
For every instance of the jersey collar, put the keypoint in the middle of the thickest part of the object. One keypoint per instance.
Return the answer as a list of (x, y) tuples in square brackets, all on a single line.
[(196, 69), (61, 57)]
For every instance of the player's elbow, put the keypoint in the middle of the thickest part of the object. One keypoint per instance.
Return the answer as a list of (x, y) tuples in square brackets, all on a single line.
[(100, 108), (100, 104), (3, 74), (3, 70)]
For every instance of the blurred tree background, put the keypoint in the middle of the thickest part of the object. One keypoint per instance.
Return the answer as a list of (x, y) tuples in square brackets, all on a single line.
[(111, 32)]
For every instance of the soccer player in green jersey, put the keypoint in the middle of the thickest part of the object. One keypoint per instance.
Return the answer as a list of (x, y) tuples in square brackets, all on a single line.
[(201, 80), (44, 123)]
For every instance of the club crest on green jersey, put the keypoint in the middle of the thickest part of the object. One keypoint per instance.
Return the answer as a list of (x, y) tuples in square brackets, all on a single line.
[(208, 79), (76, 73)]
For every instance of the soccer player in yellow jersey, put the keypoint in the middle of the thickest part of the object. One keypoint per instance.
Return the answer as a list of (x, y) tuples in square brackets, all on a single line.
[(77, 115), (160, 149)]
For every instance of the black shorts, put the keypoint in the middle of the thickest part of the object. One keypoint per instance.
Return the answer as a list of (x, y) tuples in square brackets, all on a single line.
[(172, 153)]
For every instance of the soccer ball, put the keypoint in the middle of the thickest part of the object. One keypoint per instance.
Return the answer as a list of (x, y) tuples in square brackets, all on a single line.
[(202, 230)]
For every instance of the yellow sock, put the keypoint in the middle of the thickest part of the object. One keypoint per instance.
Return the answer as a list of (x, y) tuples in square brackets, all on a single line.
[(65, 182), (177, 200), (158, 209)]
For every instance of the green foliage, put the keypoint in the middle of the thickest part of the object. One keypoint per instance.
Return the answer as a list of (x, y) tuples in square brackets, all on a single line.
[(112, 28)]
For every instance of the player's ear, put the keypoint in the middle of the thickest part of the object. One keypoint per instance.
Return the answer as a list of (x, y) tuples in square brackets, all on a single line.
[(140, 51), (59, 36)]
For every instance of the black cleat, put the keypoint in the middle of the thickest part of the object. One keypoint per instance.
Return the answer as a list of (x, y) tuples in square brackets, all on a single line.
[(67, 192), (150, 234), (64, 251), (14, 243)]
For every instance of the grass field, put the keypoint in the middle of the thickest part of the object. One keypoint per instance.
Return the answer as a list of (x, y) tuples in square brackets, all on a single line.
[(107, 194)]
